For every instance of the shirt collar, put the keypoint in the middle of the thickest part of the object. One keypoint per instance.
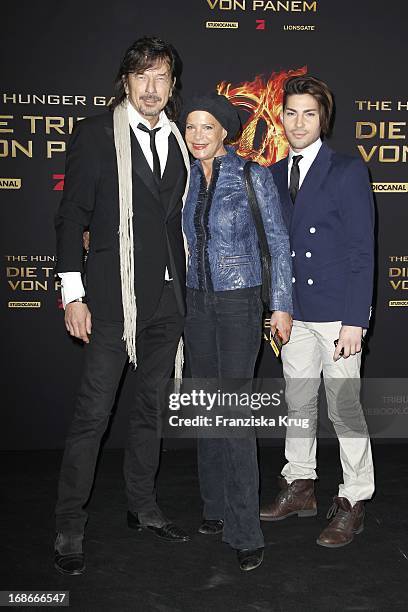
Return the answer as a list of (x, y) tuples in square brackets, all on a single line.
[(309, 152), (135, 117)]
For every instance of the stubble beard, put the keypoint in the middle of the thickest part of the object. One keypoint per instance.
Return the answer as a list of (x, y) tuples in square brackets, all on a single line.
[(150, 112)]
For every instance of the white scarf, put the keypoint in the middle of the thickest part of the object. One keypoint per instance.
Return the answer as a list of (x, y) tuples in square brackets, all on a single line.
[(121, 133)]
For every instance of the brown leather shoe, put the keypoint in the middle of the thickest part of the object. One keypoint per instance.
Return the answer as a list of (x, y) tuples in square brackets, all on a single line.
[(296, 498), (346, 521)]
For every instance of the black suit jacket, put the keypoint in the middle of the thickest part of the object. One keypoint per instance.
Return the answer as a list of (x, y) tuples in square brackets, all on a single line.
[(91, 201)]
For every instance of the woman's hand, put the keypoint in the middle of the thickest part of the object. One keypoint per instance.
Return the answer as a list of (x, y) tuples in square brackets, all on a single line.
[(85, 240), (282, 321)]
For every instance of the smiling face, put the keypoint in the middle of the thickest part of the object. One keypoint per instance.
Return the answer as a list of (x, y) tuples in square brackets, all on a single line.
[(149, 91), (301, 121), (204, 136)]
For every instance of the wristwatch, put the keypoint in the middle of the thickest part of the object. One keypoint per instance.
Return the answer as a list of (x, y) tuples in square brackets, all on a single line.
[(83, 299)]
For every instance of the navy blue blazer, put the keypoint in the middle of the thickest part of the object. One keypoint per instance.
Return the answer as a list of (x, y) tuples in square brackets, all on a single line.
[(331, 231)]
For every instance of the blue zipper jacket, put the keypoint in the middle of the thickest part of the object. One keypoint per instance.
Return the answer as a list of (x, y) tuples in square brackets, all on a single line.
[(221, 234)]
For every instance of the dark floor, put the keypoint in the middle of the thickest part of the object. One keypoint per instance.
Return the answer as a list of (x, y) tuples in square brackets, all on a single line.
[(128, 571)]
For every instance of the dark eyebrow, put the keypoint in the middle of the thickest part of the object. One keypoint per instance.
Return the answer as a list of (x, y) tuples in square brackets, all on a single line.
[(307, 110)]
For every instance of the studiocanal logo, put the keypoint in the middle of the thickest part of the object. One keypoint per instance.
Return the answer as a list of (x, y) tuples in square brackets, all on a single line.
[(222, 25), (10, 183), (390, 187), (24, 304)]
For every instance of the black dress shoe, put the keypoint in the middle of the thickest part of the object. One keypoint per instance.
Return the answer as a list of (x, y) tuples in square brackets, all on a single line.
[(211, 526), (167, 531), (69, 556), (250, 559), (73, 564)]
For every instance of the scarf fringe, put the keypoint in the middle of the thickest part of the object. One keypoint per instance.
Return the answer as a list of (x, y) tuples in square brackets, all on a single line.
[(124, 161), (178, 366)]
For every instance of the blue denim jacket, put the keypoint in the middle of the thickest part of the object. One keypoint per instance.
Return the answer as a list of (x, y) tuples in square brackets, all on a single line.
[(221, 235)]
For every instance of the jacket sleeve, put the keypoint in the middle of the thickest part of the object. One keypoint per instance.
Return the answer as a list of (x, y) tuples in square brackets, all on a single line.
[(277, 236), (357, 208), (75, 211)]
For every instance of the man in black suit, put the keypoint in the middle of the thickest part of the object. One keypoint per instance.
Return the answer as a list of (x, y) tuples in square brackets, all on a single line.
[(126, 180)]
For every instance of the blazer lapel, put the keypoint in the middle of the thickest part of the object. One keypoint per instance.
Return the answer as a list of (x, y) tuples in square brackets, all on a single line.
[(184, 152), (186, 159), (142, 168), (312, 182), (173, 198), (281, 178)]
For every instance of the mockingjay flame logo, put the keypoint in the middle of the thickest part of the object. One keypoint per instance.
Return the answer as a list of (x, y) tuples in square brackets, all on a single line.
[(264, 103)]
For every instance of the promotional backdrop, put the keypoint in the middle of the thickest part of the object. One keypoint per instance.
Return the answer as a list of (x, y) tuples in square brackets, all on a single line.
[(59, 63)]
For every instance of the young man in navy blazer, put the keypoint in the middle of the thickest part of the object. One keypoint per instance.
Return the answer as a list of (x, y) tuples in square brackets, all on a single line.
[(328, 208)]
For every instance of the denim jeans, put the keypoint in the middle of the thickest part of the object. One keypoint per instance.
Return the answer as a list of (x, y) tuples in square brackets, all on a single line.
[(223, 335)]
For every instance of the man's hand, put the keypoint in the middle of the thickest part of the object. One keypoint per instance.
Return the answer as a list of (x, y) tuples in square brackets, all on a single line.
[(78, 321), (350, 340), (282, 321)]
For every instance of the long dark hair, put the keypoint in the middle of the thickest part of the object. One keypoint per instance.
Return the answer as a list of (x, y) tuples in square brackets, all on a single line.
[(140, 56), (321, 93)]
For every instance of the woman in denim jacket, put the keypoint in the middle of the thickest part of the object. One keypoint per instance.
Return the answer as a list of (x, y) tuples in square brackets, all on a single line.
[(224, 310)]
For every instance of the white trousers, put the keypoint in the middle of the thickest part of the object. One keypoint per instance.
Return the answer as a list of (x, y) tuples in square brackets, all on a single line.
[(308, 353)]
